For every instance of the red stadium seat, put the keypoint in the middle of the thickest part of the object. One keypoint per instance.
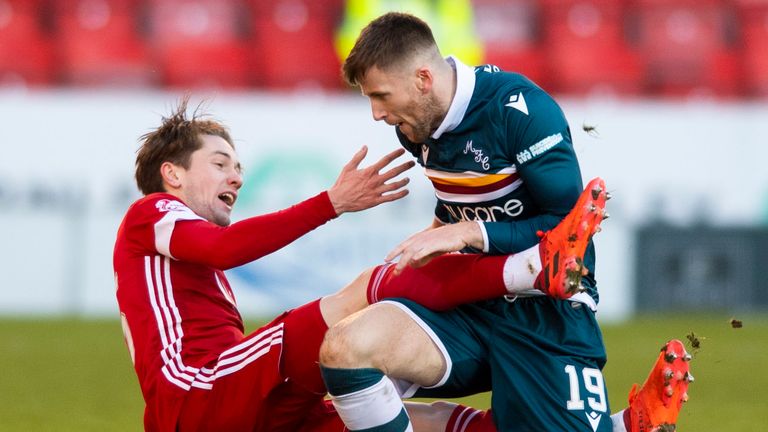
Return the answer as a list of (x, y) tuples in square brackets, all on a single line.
[(586, 47), (753, 16), (321, 9), (294, 44), (509, 34), (599, 21), (654, 3), (99, 43), (26, 55), (201, 43), (608, 70), (687, 47)]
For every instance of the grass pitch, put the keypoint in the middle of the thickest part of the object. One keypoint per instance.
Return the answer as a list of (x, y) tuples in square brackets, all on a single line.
[(75, 375)]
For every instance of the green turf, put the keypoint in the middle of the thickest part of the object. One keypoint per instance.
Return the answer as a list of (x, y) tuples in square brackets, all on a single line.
[(75, 375)]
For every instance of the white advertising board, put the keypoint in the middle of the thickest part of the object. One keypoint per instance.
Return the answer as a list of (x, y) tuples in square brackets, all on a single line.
[(66, 172)]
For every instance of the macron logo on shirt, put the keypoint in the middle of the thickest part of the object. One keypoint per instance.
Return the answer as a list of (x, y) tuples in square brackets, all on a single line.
[(518, 102)]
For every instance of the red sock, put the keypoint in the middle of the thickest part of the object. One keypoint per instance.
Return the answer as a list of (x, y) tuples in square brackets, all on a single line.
[(467, 419), (628, 420), (444, 283)]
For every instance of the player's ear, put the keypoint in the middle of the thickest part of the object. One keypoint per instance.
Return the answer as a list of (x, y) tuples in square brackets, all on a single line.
[(170, 174), (425, 79)]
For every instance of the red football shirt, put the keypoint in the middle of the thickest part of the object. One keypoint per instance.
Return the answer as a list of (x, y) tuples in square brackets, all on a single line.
[(179, 312)]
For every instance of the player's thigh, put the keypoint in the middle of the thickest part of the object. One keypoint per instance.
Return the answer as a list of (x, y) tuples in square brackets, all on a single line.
[(238, 390), (304, 332), (546, 365), (230, 394), (460, 337), (383, 336)]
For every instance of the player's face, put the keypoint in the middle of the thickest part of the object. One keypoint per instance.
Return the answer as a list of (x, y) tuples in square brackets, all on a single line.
[(397, 99), (209, 186)]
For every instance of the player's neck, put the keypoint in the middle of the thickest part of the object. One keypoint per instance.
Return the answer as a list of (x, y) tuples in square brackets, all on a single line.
[(445, 86)]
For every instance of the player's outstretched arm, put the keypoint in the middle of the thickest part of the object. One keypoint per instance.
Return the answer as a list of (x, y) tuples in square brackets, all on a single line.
[(248, 240), (359, 189)]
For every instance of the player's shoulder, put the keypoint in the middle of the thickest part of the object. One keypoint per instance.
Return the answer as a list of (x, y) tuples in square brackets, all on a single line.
[(154, 206), (511, 93), (135, 232), (492, 79)]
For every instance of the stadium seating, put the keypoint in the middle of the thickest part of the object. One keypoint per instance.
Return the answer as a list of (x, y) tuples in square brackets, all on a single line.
[(509, 32), (586, 47), (293, 43), (201, 43), (754, 30), (26, 54), (687, 46), (323, 9), (667, 48), (99, 43)]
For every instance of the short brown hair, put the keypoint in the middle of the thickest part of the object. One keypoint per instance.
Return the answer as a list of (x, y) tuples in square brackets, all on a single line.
[(174, 141), (387, 41)]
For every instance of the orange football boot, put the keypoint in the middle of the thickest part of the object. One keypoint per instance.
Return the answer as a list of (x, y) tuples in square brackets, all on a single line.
[(562, 248), (654, 408)]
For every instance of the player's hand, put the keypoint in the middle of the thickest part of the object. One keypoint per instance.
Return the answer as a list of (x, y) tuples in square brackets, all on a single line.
[(421, 247), (359, 189)]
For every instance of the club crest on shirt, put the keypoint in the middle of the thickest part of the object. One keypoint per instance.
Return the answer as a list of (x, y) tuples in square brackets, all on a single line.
[(480, 158), (166, 205)]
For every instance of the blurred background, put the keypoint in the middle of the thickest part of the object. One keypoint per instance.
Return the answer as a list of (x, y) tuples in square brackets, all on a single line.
[(667, 101), (628, 48)]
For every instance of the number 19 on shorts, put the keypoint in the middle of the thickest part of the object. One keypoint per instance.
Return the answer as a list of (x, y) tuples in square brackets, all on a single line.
[(595, 397)]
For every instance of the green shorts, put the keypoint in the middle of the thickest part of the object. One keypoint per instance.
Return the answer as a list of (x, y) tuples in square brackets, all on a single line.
[(541, 358)]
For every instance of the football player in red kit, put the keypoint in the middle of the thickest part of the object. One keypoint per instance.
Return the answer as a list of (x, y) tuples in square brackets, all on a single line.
[(197, 368)]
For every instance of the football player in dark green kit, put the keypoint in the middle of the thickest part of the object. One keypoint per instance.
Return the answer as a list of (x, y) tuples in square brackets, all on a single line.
[(498, 151)]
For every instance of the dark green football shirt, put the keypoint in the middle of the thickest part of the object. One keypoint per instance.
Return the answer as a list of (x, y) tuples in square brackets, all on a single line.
[(503, 156)]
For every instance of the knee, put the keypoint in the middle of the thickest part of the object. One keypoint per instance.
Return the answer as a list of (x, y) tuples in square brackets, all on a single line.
[(345, 346)]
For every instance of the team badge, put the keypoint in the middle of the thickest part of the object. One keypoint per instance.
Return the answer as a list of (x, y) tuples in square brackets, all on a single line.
[(165, 205)]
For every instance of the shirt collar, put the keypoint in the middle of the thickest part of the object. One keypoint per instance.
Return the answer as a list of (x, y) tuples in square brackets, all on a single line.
[(465, 86)]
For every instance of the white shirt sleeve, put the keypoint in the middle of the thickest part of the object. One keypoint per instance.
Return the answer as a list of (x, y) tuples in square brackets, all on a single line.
[(486, 247), (175, 211)]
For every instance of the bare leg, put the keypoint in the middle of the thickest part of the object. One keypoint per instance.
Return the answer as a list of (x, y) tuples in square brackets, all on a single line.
[(431, 417), (360, 350), (384, 337), (449, 417), (346, 301)]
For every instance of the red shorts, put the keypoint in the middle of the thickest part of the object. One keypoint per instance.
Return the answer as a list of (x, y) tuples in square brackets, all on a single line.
[(278, 387)]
